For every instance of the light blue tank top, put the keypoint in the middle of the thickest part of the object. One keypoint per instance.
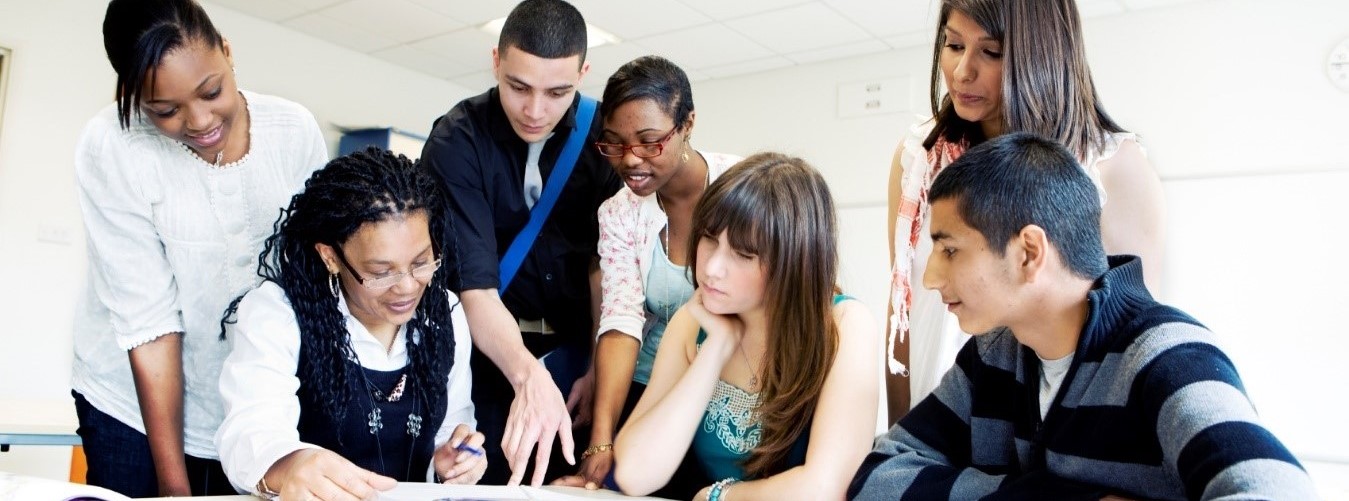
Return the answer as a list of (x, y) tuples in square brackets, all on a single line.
[(667, 288), (730, 429)]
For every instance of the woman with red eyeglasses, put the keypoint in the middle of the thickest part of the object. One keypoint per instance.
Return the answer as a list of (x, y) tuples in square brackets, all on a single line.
[(648, 117)]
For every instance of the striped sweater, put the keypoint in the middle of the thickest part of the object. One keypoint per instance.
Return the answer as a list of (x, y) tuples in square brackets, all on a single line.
[(1150, 408)]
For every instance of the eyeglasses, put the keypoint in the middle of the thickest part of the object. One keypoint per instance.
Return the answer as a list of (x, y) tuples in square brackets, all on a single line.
[(642, 150), (421, 273)]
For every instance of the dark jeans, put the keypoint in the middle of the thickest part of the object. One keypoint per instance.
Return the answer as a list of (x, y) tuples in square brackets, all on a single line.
[(492, 396), (119, 458)]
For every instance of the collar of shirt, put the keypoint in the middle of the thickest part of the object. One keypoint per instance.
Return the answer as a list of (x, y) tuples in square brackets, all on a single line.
[(500, 124), (369, 350)]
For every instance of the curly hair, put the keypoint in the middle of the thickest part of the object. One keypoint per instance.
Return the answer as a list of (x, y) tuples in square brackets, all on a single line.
[(364, 187)]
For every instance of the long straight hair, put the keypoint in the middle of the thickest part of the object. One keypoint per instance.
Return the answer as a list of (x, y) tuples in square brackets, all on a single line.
[(779, 208), (1047, 87)]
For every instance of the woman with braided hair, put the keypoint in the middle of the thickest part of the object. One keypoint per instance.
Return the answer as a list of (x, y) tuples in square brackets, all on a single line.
[(347, 373)]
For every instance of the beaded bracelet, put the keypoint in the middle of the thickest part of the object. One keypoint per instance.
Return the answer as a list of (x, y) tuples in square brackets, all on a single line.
[(596, 449), (720, 488)]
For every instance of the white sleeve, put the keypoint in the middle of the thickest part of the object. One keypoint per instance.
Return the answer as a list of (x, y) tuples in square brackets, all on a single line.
[(459, 385), (316, 153), (258, 385), (132, 275)]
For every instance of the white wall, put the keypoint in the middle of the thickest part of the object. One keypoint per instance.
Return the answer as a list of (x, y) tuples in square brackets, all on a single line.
[(1219, 89), (59, 77), (1235, 109)]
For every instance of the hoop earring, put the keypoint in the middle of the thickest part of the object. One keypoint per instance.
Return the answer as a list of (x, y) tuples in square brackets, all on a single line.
[(332, 284)]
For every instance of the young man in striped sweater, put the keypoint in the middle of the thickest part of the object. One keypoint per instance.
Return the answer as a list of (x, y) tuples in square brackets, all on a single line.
[(1082, 386)]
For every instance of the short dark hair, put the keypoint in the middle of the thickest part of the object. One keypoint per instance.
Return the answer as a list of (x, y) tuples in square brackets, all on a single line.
[(550, 29), (138, 33), (654, 78), (1020, 179)]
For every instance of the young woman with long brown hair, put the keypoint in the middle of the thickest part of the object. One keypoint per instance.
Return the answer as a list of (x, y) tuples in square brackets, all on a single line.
[(1007, 66), (767, 374)]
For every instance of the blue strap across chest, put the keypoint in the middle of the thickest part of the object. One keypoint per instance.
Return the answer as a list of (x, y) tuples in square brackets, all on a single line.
[(515, 254)]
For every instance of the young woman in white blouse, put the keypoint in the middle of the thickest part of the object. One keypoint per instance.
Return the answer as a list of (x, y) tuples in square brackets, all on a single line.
[(644, 228), (347, 372), (179, 182)]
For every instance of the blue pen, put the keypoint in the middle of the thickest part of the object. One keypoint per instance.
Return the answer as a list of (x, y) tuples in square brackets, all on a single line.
[(469, 449)]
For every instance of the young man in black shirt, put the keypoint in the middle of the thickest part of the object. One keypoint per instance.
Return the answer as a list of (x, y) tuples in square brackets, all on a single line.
[(492, 152)]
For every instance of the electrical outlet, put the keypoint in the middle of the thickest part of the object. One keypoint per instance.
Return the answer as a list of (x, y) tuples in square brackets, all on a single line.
[(874, 97), (53, 234)]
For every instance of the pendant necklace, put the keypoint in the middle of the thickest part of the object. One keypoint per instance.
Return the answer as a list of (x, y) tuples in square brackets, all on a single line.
[(375, 418), (665, 232), (753, 375)]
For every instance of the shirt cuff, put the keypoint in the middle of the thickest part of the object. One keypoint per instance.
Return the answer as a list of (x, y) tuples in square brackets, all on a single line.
[(133, 340)]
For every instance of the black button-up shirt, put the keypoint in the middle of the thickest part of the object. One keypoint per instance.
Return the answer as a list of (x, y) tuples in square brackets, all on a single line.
[(481, 163)]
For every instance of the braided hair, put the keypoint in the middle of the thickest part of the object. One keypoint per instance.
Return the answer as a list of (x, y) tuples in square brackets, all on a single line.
[(364, 187)]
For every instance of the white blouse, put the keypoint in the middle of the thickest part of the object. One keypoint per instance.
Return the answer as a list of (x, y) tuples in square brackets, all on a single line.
[(171, 241), (258, 382)]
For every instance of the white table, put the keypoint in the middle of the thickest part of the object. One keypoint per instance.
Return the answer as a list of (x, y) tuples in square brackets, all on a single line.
[(423, 492), (37, 422)]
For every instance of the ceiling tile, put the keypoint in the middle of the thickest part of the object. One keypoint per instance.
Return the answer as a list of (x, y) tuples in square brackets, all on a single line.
[(888, 17), (697, 75), (273, 10), (781, 30), (839, 51), (400, 20), (423, 61), (920, 38), (746, 67), (605, 60), (639, 18), (475, 12), (339, 32), (468, 47), (704, 46), (722, 10)]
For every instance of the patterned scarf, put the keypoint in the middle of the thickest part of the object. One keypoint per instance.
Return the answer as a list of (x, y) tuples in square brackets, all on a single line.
[(913, 209)]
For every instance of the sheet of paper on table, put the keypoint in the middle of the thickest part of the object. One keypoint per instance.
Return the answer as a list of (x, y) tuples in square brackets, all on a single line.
[(412, 491)]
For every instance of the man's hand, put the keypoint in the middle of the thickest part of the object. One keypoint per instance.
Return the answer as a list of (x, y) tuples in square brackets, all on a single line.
[(581, 402), (537, 415)]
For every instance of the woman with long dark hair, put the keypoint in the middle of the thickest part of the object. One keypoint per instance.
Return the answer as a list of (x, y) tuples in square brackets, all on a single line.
[(1007, 66), (767, 374), (347, 373), (179, 182)]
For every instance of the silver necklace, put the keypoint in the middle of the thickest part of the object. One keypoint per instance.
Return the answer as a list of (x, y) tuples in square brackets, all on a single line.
[(753, 375), (665, 232)]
